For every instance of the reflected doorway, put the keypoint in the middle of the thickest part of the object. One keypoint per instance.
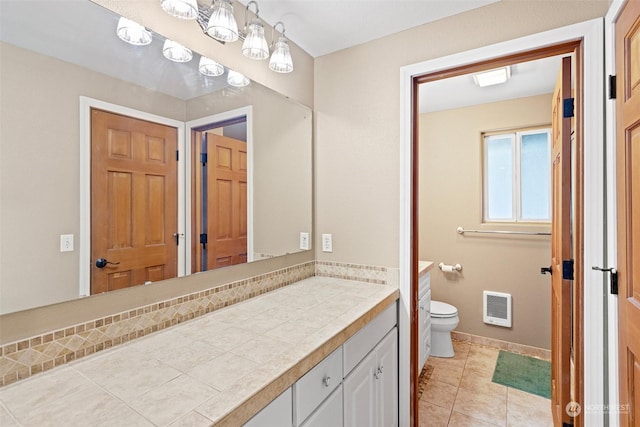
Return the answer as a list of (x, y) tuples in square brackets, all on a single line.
[(219, 190)]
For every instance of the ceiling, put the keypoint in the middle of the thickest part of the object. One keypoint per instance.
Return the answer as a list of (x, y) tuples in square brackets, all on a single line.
[(325, 26), (318, 26)]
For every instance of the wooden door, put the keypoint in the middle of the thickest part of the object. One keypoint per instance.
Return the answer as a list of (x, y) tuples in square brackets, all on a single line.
[(627, 30), (561, 248), (133, 201), (226, 201)]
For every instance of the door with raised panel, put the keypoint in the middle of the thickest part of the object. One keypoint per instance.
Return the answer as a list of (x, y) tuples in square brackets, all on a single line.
[(134, 199), (387, 380), (561, 305), (360, 394), (627, 29)]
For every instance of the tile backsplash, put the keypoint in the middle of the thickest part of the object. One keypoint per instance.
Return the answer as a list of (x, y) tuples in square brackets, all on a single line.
[(21, 359)]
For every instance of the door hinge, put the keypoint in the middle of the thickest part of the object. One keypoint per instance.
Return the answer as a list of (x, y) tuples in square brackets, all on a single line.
[(203, 159), (177, 156), (612, 86), (613, 279), (203, 239), (567, 107), (567, 269)]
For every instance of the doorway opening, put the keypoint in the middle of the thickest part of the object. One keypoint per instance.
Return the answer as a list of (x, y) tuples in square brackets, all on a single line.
[(589, 130), (219, 194)]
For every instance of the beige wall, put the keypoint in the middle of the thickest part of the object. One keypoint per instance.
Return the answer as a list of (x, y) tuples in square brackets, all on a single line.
[(451, 196), (357, 95)]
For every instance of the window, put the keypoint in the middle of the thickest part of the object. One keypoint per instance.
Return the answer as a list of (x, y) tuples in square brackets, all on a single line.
[(517, 176)]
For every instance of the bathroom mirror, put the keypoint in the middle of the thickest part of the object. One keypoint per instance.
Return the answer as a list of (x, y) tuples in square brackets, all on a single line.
[(54, 53)]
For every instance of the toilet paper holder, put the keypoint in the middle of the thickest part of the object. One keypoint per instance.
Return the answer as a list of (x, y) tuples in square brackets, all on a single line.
[(449, 268)]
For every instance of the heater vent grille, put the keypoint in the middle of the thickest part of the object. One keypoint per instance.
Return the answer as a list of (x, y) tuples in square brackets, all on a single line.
[(497, 308)]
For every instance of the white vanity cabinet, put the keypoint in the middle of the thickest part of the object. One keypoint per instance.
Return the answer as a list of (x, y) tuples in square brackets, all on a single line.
[(276, 414), (371, 389), (424, 319), (356, 385)]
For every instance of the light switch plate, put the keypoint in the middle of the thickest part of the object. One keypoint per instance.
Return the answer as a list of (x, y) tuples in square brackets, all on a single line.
[(304, 241), (66, 242), (327, 243)]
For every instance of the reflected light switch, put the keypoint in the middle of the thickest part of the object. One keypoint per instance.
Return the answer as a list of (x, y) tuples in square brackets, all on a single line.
[(304, 241)]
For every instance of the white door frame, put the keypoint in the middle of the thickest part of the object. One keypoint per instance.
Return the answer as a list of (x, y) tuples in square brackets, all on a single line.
[(86, 104), (612, 241), (591, 32), (216, 118)]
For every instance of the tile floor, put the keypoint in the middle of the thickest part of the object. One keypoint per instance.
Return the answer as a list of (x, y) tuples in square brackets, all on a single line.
[(459, 393)]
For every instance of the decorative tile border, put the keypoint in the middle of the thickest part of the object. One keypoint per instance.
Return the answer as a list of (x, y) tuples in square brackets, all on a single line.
[(19, 360), (526, 350), (362, 273), (22, 359)]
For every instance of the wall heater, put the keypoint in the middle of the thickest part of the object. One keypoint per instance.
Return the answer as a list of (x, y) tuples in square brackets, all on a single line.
[(497, 308)]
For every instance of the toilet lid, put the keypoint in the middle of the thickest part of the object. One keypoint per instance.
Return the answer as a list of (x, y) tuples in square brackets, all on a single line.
[(442, 309)]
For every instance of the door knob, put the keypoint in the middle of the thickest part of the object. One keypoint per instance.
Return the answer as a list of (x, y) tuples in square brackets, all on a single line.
[(102, 263), (545, 270)]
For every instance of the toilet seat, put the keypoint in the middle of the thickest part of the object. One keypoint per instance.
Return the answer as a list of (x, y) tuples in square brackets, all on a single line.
[(441, 309)]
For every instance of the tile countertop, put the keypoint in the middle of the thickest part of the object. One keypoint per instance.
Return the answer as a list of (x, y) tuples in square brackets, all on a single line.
[(423, 267), (218, 369)]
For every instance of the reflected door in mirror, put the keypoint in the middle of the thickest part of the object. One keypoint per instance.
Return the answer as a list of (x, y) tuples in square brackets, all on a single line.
[(133, 201), (220, 202)]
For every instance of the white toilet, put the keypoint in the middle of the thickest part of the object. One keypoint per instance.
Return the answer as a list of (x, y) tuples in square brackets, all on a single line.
[(444, 319)]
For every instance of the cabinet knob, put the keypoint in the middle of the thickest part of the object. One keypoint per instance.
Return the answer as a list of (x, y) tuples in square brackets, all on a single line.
[(376, 375), (326, 381), (381, 369)]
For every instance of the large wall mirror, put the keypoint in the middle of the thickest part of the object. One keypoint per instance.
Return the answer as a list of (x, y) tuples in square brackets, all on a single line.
[(61, 64)]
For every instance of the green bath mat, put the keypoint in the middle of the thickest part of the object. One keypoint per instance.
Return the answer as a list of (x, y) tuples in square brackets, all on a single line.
[(524, 373)]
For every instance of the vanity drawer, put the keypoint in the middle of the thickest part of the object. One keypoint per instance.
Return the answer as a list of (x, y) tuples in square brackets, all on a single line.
[(310, 390), (357, 347)]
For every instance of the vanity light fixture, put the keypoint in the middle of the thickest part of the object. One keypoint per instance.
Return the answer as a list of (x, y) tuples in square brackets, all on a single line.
[(133, 33), (183, 9), (281, 61), (222, 25), (176, 52), (255, 45), (209, 67), (492, 77), (218, 22), (236, 79)]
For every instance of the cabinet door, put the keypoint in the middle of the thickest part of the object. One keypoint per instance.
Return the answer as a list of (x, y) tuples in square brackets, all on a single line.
[(278, 413), (387, 381), (359, 394), (329, 413)]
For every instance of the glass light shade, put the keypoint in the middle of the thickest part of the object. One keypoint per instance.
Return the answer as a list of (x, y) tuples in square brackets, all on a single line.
[(209, 67), (222, 24), (176, 52), (255, 45), (183, 9), (281, 61), (133, 33), (236, 79)]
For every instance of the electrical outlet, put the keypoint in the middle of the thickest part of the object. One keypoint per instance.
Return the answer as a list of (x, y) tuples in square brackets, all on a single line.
[(66, 242), (327, 243), (304, 241)]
